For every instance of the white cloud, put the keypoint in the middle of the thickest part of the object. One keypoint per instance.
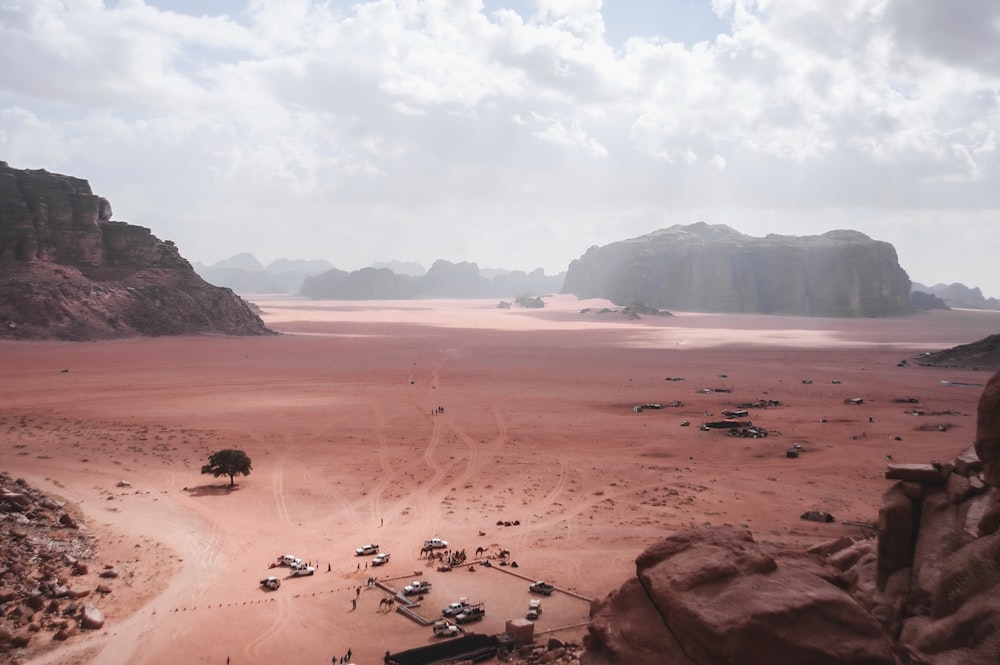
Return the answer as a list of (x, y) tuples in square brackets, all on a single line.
[(363, 132)]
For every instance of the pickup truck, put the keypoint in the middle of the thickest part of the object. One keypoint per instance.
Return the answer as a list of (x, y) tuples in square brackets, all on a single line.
[(473, 612), (415, 587), (445, 628), (366, 549), (301, 570), (271, 583), (534, 609), (541, 587), (380, 559), (436, 544), (457, 607), (288, 560)]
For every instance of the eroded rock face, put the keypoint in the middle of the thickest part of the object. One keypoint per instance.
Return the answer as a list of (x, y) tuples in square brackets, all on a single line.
[(988, 431), (68, 272), (924, 593), (716, 596), (713, 268)]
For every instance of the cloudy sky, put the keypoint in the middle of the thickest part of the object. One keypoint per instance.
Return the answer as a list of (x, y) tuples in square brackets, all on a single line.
[(516, 133)]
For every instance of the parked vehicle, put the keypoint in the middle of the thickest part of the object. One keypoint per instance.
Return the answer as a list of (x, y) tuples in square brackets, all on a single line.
[(271, 583), (474, 612), (366, 549), (289, 560), (415, 587), (534, 609), (457, 607), (436, 544), (541, 587), (381, 559), (445, 628), (302, 570)]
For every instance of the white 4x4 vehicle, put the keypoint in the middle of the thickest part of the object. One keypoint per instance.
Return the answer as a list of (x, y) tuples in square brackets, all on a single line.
[(289, 560), (456, 608), (445, 628), (436, 544), (301, 569), (366, 549), (416, 586)]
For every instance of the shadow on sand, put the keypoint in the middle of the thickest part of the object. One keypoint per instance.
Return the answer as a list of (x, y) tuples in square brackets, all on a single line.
[(212, 490)]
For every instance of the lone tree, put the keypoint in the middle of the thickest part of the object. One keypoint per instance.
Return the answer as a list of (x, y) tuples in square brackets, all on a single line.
[(227, 462)]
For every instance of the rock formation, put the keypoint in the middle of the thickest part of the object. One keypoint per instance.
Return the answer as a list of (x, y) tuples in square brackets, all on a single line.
[(981, 354), (68, 272), (924, 592), (988, 431), (713, 268)]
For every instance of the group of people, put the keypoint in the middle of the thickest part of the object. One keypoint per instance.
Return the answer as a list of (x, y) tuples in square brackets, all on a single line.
[(346, 658)]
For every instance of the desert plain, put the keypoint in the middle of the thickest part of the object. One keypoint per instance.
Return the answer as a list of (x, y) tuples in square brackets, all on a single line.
[(392, 422)]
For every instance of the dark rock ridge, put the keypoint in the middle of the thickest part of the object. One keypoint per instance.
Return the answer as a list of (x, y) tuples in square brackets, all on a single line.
[(714, 268), (443, 280), (923, 592), (67, 271), (982, 354), (926, 301), (959, 295)]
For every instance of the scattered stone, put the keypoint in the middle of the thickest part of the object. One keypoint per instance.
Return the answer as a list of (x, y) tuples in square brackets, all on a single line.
[(91, 618)]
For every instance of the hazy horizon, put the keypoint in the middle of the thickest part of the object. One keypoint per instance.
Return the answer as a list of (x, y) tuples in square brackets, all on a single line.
[(515, 134)]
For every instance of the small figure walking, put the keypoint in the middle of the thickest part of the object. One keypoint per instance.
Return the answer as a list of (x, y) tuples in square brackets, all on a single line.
[(381, 521), (348, 654), (354, 603), (328, 567), (227, 660), (359, 565), (357, 592)]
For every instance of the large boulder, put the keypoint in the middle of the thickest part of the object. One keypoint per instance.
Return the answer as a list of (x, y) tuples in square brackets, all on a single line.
[(716, 596), (988, 431)]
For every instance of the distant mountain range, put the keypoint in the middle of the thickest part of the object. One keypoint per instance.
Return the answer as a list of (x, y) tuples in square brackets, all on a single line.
[(958, 295), (318, 279)]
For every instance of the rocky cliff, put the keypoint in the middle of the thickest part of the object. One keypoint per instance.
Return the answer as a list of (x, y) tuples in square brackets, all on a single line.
[(924, 591), (713, 268), (67, 271)]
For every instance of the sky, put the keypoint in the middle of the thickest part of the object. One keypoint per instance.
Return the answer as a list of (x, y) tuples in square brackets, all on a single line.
[(516, 133)]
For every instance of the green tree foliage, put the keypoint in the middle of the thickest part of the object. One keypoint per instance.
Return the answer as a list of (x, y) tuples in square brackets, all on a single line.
[(227, 462)]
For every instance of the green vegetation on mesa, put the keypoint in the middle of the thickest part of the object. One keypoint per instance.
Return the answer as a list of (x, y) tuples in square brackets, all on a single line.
[(227, 462)]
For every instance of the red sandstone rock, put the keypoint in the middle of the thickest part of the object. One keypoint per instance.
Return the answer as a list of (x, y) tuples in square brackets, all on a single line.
[(988, 431)]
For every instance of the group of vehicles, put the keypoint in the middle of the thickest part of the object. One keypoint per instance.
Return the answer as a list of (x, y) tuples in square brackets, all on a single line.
[(296, 568)]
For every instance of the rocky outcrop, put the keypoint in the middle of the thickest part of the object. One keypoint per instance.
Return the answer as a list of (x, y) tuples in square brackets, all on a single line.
[(43, 570), (926, 301), (714, 595), (924, 592), (713, 268), (67, 271), (988, 431), (981, 354)]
